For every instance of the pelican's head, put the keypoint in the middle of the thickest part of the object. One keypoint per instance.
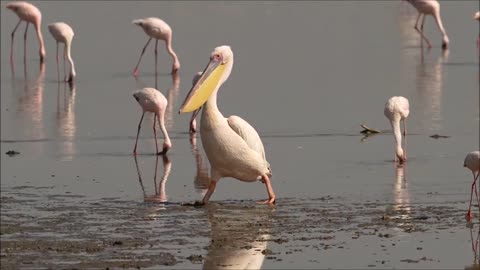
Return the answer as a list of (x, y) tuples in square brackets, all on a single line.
[(216, 72)]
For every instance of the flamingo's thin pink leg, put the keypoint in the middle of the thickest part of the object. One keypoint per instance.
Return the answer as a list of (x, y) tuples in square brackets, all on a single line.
[(421, 31), (155, 132), (138, 132), (25, 41), (405, 138), (193, 124), (469, 214), (135, 71), (11, 45), (58, 65), (64, 62), (156, 56)]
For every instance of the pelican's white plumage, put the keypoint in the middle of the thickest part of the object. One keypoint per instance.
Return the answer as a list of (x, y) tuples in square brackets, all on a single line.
[(472, 162), (232, 146), (397, 109), (63, 33)]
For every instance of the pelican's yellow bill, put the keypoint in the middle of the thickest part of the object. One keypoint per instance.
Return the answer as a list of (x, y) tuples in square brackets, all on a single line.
[(201, 95)]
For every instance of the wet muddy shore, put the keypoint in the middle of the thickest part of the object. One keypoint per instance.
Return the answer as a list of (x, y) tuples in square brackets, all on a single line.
[(41, 231)]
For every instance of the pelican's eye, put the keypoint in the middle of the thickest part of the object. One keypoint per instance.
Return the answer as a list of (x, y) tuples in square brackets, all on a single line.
[(217, 56)]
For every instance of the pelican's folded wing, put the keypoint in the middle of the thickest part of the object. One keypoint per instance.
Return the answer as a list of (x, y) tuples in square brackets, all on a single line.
[(248, 134)]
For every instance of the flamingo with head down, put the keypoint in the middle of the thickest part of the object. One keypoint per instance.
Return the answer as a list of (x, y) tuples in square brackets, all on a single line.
[(233, 147), (31, 15), (429, 7), (157, 29), (397, 109)]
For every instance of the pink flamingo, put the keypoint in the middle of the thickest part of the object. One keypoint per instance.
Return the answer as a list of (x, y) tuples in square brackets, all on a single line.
[(472, 162), (396, 110), (429, 7), (152, 100), (157, 29), (30, 14), (63, 33)]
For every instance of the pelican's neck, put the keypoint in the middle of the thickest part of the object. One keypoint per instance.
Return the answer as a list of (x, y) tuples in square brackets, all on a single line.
[(211, 113)]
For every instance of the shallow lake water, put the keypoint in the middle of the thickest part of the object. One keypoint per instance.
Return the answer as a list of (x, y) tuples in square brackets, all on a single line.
[(306, 75)]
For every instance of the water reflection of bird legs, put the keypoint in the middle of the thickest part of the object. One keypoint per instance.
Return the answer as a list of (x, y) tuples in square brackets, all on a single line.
[(201, 182), (475, 245), (66, 119), (400, 211), (160, 192), (239, 236)]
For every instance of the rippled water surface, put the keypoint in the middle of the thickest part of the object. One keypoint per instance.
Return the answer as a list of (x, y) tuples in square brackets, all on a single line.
[(306, 75)]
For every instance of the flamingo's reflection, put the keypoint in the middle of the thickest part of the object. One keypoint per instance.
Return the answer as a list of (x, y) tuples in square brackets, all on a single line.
[(400, 210), (239, 235), (475, 244), (201, 182), (65, 119), (29, 101), (159, 195), (429, 85)]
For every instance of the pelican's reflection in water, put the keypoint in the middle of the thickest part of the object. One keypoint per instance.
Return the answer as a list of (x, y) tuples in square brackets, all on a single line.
[(239, 235), (429, 86), (201, 182), (65, 119), (29, 112), (401, 210), (160, 195), (475, 248)]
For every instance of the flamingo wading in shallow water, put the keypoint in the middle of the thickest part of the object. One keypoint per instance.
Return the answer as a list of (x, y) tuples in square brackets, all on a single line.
[(30, 14), (396, 110), (63, 33), (429, 7), (157, 29), (233, 147), (472, 162), (151, 100)]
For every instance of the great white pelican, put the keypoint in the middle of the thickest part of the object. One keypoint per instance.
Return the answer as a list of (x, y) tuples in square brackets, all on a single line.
[(233, 147)]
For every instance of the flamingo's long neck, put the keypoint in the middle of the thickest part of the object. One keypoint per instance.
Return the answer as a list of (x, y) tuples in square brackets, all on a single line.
[(40, 41), (438, 20), (68, 46), (171, 52), (397, 133)]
